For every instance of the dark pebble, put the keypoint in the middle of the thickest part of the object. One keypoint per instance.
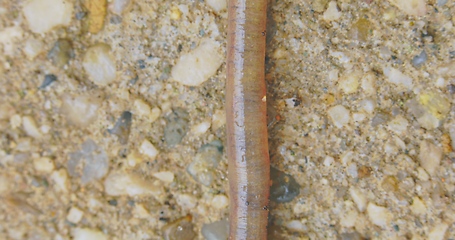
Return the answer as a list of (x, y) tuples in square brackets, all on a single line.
[(61, 52), (379, 119), (284, 187), (48, 79), (122, 127), (112, 202), (451, 88), (351, 236), (116, 19)]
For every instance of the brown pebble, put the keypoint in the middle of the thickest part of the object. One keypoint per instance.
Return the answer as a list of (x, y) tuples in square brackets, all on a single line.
[(364, 171), (446, 143)]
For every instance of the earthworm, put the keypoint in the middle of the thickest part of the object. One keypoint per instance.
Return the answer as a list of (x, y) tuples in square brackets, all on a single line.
[(247, 143)]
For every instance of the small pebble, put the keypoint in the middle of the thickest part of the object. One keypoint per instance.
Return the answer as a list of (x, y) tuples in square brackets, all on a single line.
[(379, 118), (180, 229), (340, 115), (349, 82), (186, 201), (96, 13), (220, 201), (60, 178), (217, 5), (30, 128), (396, 77), (379, 216), (91, 159), (176, 127), (61, 53), (80, 110), (359, 198), (204, 164), (33, 47), (43, 164), (99, 64), (420, 59), (113, 202), (430, 157), (195, 67), (74, 215), (438, 232), (148, 150), (167, 177), (332, 13), (361, 30), (284, 187), (48, 80), (218, 230), (88, 233), (121, 184), (411, 7), (122, 127), (418, 207), (44, 15), (218, 119), (200, 128), (119, 6)]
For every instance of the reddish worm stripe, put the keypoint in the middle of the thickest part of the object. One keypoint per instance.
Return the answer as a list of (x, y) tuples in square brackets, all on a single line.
[(247, 144)]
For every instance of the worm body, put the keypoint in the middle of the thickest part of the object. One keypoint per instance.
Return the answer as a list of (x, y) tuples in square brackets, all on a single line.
[(247, 150)]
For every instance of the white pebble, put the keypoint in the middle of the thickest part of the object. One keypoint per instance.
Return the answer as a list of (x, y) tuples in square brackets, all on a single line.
[(80, 110), (430, 157), (220, 201), (44, 15), (398, 78), (141, 108), (328, 161), (440, 82), (148, 150), (339, 115), (217, 5), (398, 125), (200, 128), (186, 201), (15, 121), (167, 177), (368, 105), (43, 164), (118, 184), (139, 211), (295, 225), (438, 232), (411, 7), (119, 6), (418, 207), (195, 67), (74, 215), (349, 218), (32, 48), (8, 37), (218, 119), (358, 117), (155, 114), (422, 174), (99, 64), (60, 178), (332, 13), (359, 198), (88, 234), (369, 83), (30, 128), (379, 216), (352, 170), (349, 83)]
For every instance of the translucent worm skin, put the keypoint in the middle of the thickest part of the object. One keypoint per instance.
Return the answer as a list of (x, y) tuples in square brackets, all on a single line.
[(247, 144)]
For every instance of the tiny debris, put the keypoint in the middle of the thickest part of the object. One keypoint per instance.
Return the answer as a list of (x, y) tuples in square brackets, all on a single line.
[(122, 127)]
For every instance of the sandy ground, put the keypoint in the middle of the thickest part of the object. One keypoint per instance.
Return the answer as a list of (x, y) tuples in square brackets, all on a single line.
[(360, 114)]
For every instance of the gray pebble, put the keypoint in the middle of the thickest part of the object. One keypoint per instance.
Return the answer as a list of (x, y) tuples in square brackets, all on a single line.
[(284, 187), (61, 52), (122, 127), (218, 230), (176, 127), (48, 79), (420, 59)]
